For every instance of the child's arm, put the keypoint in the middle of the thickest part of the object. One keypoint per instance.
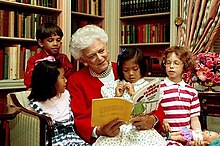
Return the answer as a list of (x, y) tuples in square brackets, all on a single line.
[(176, 136), (195, 123), (166, 126)]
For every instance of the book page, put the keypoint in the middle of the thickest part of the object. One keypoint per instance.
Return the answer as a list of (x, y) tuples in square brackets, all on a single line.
[(147, 98), (105, 110)]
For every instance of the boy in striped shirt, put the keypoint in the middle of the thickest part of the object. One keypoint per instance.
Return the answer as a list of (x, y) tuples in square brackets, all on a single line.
[(180, 101)]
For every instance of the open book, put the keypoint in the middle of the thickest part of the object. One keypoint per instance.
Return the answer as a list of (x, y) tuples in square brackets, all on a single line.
[(145, 101)]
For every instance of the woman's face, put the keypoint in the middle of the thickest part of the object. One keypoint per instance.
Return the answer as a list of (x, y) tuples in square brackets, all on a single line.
[(131, 71), (174, 67), (96, 57)]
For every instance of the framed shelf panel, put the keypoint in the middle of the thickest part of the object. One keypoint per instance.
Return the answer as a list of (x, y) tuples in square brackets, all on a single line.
[(29, 8), (146, 25), (18, 23), (83, 14)]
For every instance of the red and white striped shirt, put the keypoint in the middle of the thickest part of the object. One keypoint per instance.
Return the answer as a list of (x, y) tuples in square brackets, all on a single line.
[(180, 102)]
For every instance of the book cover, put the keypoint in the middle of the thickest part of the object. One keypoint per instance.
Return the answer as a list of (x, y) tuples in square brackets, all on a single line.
[(145, 101)]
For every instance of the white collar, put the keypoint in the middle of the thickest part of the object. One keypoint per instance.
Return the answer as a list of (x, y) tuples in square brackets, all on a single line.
[(168, 82), (139, 82)]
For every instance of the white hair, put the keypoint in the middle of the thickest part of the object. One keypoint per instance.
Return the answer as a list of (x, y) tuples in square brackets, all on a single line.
[(84, 37)]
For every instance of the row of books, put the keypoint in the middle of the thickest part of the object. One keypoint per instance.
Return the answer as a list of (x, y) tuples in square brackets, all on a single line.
[(145, 33), (87, 6), (140, 7), (13, 60), (22, 25), (45, 3)]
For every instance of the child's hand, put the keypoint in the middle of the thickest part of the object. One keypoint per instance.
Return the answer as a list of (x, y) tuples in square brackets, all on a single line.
[(130, 88), (119, 90), (166, 126)]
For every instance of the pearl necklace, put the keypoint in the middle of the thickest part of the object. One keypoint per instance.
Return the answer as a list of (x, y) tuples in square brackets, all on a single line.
[(103, 74)]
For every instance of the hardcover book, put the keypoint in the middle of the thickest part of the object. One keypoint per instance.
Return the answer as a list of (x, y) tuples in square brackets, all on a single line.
[(145, 101)]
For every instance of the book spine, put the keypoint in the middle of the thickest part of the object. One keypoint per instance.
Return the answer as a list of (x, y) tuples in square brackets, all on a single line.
[(22, 62), (133, 34), (1, 64), (1, 22), (6, 59), (122, 34), (11, 24)]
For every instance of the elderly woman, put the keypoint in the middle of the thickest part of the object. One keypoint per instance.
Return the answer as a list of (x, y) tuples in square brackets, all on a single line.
[(89, 46)]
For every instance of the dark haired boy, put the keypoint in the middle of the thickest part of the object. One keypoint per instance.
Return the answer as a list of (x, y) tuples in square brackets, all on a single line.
[(49, 38)]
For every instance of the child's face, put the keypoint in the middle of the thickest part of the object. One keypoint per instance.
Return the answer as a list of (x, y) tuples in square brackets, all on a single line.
[(51, 45), (61, 81), (174, 67), (210, 136), (131, 71)]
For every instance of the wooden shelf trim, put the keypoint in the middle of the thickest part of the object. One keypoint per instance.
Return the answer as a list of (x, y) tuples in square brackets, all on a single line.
[(144, 44), (167, 14), (87, 16), (12, 84), (16, 39), (16, 6)]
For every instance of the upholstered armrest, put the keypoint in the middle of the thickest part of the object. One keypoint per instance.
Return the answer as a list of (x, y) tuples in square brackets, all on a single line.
[(29, 127)]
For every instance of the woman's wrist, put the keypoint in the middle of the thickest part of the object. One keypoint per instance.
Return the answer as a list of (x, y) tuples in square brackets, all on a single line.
[(156, 120)]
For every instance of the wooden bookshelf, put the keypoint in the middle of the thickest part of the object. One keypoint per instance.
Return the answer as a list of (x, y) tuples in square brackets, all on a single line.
[(86, 12), (56, 11), (149, 26)]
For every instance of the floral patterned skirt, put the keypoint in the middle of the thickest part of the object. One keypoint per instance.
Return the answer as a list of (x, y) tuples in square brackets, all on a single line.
[(129, 136)]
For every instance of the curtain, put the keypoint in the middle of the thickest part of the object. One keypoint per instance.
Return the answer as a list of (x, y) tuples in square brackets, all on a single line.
[(201, 24)]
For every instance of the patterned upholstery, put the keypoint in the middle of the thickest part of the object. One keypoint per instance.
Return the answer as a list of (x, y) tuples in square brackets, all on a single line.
[(28, 128)]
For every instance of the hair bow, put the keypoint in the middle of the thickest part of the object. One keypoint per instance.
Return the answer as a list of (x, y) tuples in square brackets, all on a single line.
[(48, 58)]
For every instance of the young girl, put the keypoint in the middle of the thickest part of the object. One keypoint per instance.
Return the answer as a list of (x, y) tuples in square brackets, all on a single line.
[(180, 101), (49, 37), (131, 68), (49, 97)]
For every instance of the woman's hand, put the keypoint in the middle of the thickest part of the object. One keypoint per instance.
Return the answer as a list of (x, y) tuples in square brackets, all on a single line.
[(143, 122), (166, 126), (111, 129), (119, 89), (129, 87)]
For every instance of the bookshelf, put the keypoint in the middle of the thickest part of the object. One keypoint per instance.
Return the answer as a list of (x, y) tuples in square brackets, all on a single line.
[(18, 23), (85, 12), (148, 25)]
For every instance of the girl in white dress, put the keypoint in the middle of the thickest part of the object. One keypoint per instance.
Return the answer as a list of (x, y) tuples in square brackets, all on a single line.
[(131, 68)]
